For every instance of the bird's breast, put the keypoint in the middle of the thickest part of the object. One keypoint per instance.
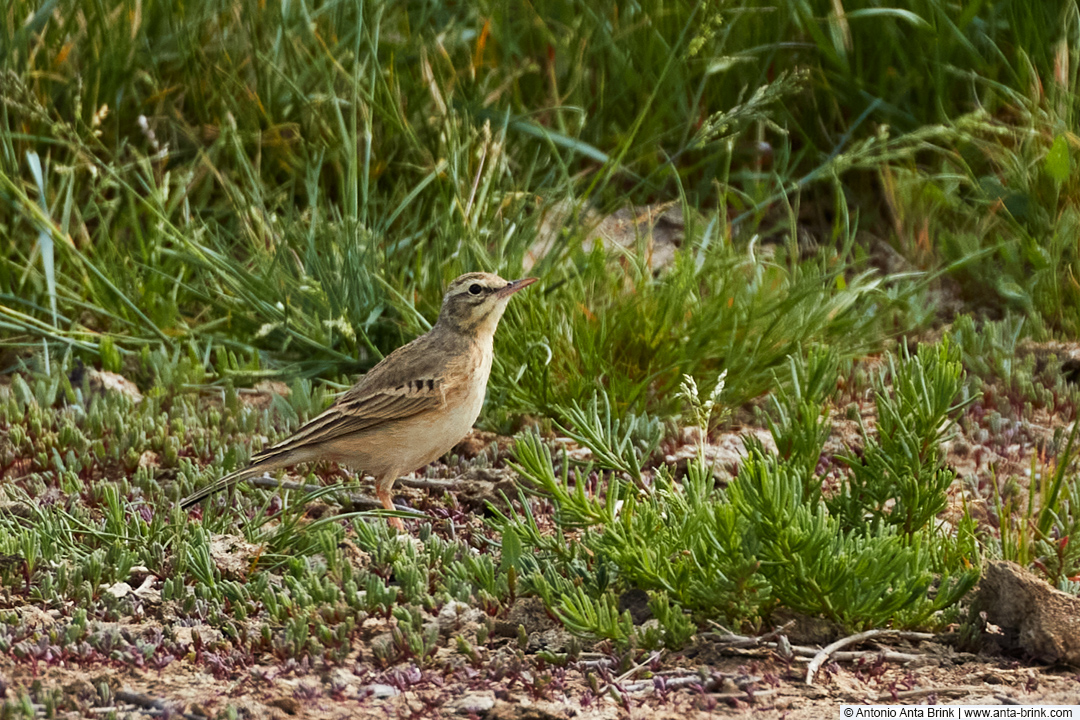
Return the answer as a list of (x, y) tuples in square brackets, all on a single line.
[(420, 439), (466, 398)]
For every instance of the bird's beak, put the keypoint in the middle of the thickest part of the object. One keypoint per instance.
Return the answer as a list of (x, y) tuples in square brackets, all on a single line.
[(513, 286)]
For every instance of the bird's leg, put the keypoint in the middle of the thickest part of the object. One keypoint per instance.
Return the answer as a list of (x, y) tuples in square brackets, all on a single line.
[(383, 485)]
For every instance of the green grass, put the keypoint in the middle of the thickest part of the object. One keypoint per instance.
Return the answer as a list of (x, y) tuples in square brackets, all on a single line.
[(202, 196), (302, 185), (862, 557), (95, 476)]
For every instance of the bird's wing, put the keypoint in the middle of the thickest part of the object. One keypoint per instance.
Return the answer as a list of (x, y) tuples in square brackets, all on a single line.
[(362, 409), (365, 406), (408, 381)]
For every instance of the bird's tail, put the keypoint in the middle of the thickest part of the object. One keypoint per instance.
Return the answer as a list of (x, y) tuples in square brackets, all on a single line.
[(223, 484), (289, 452)]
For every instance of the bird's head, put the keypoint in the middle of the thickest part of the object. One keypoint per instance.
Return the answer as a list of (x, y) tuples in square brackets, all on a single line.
[(475, 302)]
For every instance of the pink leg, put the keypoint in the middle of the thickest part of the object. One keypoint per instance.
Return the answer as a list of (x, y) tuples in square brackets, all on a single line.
[(382, 491)]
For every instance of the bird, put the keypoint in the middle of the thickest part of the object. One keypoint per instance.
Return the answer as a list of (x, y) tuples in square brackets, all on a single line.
[(412, 407)]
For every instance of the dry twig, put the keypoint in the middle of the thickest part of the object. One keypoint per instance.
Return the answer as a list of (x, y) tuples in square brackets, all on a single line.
[(824, 653), (350, 501)]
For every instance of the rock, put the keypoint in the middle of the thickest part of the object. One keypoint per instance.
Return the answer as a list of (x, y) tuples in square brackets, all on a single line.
[(480, 487), (342, 681), (378, 690), (1043, 621), (149, 460), (34, 616), (557, 639), (208, 635), (289, 705), (724, 453), (381, 644), (454, 615), (233, 555), (263, 393), (806, 629), (528, 612), (147, 592), (119, 590), (103, 381), (480, 441), (80, 688), (474, 703), (657, 231), (636, 601), (503, 710)]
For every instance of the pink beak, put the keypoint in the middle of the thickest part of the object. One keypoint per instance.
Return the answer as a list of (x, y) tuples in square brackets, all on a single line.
[(514, 285)]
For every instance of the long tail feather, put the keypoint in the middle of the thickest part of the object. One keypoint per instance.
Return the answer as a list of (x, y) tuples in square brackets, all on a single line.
[(223, 484), (281, 455)]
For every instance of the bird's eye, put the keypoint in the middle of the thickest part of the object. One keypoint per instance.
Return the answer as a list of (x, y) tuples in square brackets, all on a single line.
[(475, 289)]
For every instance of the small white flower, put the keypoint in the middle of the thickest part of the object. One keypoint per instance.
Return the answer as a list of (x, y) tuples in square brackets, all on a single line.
[(266, 329)]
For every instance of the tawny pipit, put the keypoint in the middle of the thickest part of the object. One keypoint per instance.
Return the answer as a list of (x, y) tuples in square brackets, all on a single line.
[(412, 407)]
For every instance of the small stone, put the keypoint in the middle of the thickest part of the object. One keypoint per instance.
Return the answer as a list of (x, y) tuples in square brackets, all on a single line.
[(476, 442), (289, 705), (474, 703), (233, 555), (34, 616), (1039, 618), (262, 395), (147, 592), (119, 590), (105, 381), (454, 615), (528, 612), (381, 643), (207, 634), (341, 680), (636, 601), (80, 688), (378, 690), (556, 639)]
